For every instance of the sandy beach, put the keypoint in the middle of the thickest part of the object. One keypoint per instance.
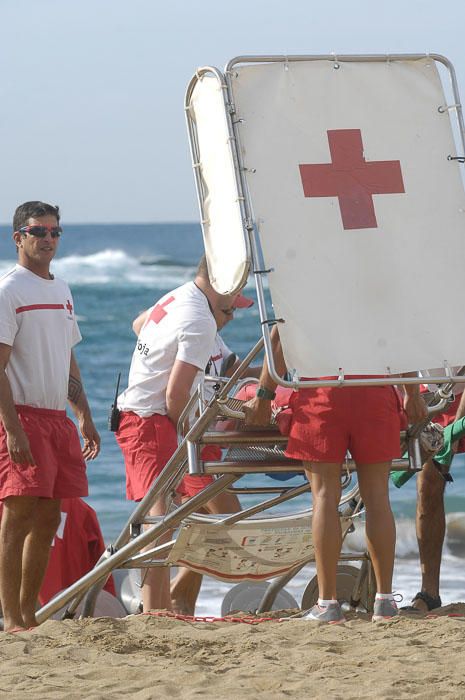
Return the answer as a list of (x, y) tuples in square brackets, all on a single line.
[(149, 657)]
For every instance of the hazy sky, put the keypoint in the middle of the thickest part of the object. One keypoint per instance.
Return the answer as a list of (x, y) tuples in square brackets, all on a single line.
[(92, 90)]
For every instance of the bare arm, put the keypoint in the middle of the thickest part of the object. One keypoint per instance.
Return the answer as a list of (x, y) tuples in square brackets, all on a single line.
[(414, 404), (80, 406), (17, 440), (139, 322), (178, 390), (258, 410)]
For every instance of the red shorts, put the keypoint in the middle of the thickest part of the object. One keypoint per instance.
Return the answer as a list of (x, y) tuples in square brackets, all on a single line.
[(147, 445), (59, 471), (326, 422)]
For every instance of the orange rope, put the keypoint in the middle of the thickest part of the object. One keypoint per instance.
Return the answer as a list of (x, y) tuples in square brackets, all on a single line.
[(247, 620)]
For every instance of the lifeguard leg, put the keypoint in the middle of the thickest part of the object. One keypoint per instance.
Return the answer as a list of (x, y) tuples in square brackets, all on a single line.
[(17, 516), (325, 481), (380, 526), (155, 581), (36, 553), (431, 529), (185, 587)]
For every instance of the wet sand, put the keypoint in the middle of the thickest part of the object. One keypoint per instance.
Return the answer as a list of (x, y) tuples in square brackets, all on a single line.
[(145, 657)]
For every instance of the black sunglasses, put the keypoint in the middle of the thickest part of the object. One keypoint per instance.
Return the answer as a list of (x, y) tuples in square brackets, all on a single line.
[(41, 231)]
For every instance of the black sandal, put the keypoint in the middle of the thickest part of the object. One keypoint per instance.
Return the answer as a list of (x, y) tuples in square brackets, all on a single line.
[(431, 602)]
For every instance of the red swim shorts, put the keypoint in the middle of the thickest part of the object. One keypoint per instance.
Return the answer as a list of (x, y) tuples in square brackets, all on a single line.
[(59, 471), (147, 445), (326, 422)]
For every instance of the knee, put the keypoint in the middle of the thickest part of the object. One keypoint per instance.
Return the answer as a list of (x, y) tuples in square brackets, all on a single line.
[(47, 524), (430, 485), (326, 497)]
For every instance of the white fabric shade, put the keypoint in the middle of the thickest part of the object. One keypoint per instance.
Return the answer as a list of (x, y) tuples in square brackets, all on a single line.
[(376, 290)]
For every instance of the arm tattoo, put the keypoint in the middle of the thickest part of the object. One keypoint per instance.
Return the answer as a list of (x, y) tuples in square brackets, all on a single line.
[(74, 389)]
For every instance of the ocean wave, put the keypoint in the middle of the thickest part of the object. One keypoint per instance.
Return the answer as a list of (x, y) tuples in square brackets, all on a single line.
[(119, 269), (406, 540)]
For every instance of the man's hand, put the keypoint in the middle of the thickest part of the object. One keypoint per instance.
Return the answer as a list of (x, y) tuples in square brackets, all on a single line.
[(18, 447), (91, 438), (415, 407), (257, 412)]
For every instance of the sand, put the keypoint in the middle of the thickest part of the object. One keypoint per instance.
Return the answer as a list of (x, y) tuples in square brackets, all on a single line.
[(146, 657)]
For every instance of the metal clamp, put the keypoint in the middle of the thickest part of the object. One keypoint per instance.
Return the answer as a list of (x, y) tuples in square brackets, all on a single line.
[(444, 108)]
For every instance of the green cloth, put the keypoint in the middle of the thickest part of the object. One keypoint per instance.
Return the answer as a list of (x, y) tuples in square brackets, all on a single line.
[(452, 433)]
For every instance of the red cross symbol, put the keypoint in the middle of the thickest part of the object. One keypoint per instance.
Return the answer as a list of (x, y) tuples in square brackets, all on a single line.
[(351, 179), (69, 306), (158, 311)]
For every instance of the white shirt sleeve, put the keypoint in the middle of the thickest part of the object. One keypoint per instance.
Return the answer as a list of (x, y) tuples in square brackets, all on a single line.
[(195, 342), (8, 319)]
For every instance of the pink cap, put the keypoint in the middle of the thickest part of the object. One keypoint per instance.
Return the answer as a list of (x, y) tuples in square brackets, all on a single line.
[(242, 302)]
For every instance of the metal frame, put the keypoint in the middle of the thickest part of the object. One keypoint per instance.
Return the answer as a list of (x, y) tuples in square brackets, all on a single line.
[(126, 550), (249, 227)]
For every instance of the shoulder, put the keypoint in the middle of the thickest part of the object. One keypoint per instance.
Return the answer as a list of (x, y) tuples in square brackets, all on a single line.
[(9, 279), (59, 282)]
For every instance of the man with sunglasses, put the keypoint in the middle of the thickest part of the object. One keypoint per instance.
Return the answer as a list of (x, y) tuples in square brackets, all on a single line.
[(41, 460)]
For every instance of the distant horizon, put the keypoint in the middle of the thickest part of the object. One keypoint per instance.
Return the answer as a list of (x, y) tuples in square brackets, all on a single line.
[(173, 222)]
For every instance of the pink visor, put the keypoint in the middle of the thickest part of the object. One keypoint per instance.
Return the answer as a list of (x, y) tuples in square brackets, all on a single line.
[(242, 302)]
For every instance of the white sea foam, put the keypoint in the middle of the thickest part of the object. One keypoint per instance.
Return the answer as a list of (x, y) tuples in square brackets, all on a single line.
[(117, 268)]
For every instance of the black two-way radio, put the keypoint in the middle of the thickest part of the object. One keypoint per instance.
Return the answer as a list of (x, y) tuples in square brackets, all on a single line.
[(114, 413)]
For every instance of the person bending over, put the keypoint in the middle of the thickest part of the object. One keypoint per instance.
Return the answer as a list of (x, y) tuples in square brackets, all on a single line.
[(175, 342)]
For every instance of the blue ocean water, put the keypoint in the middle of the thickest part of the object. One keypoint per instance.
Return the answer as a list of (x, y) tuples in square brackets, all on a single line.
[(115, 271)]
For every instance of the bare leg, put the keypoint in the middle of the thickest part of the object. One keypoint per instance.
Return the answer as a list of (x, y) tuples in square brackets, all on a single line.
[(155, 582), (325, 480), (27, 529), (36, 553), (431, 529), (185, 587), (16, 523), (380, 526)]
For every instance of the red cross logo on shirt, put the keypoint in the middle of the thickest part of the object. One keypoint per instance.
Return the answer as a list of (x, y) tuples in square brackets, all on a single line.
[(158, 311), (351, 179), (69, 306)]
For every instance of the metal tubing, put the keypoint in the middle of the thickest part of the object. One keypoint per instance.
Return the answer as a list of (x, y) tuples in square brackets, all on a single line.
[(260, 468), (265, 505), (275, 586)]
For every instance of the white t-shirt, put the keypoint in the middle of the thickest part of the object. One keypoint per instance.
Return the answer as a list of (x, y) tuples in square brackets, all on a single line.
[(220, 353), (37, 320), (178, 327)]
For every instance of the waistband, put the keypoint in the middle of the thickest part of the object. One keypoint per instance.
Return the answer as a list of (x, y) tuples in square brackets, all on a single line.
[(45, 412), (153, 416)]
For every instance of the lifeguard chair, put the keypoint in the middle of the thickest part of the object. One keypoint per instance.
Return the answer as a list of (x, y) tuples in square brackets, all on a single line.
[(336, 182)]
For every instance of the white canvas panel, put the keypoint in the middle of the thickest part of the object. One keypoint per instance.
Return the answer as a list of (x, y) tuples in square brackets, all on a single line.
[(223, 231), (380, 289)]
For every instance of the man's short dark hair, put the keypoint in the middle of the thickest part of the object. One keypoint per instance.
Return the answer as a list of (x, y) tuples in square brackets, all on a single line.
[(33, 210)]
